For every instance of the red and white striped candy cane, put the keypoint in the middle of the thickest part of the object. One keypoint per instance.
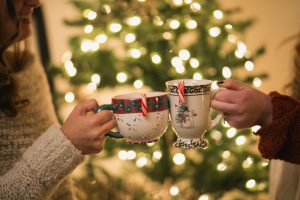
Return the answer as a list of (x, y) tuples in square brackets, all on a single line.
[(181, 92), (144, 104)]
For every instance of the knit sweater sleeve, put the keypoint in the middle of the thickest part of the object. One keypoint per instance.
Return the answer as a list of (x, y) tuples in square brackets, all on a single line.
[(41, 168), (281, 138)]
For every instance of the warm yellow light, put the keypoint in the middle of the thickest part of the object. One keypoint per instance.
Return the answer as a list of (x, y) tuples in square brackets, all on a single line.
[(95, 78), (158, 21), (89, 45), (134, 21), (204, 197), (231, 38), (180, 69), (247, 163), (257, 82), (122, 155), (250, 184), (179, 159), (70, 69), (225, 124), (195, 7), (231, 132), (226, 154), (141, 162), (130, 37), (191, 24), (174, 190), (174, 24), (194, 62), (176, 62), (197, 76), (240, 140), (178, 2), (255, 128), (131, 154), (89, 14), (184, 54), (214, 31), (138, 84), (226, 72), (249, 66), (228, 26), (115, 27), (88, 28), (135, 53), (157, 155), (216, 135), (167, 35), (156, 59), (69, 97), (221, 166), (101, 38), (188, 1), (218, 14), (122, 77)]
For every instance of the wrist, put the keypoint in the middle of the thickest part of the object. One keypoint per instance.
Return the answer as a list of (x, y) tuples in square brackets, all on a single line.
[(267, 113)]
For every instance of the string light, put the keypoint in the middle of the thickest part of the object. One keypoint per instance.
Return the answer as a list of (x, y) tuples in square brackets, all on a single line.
[(231, 132), (191, 24), (216, 135), (195, 7), (138, 84), (184, 54), (157, 156), (240, 140), (70, 69), (115, 27), (130, 37), (101, 38), (157, 21), (204, 197), (89, 14), (88, 28), (241, 50), (188, 1), (247, 163), (250, 184), (134, 21), (67, 56), (122, 77), (174, 24), (255, 128), (249, 66), (69, 97), (176, 62), (214, 31), (141, 162), (180, 69), (226, 154), (225, 124), (174, 190), (221, 167), (197, 76), (167, 35), (228, 26), (89, 45), (214, 85), (257, 82), (95, 78), (231, 38), (156, 59), (131, 155), (122, 155), (218, 14), (194, 63), (226, 72), (135, 53), (179, 159), (178, 2), (107, 8)]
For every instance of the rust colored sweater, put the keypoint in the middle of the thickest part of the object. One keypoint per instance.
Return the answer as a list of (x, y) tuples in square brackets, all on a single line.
[(281, 139)]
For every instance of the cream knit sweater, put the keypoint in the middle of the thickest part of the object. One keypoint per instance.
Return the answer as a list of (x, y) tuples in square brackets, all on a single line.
[(35, 156)]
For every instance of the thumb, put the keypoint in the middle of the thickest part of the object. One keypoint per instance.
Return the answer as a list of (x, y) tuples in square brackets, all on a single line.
[(230, 84), (85, 107)]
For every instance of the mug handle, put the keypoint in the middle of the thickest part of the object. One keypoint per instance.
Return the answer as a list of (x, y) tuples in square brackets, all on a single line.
[(217, 119), (111, 134)]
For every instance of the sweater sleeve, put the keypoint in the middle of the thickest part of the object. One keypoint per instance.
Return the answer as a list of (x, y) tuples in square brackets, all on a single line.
[(41, 168), (281, 138)]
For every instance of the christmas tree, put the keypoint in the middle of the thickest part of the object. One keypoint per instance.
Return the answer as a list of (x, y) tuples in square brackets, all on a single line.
[(144, 43)]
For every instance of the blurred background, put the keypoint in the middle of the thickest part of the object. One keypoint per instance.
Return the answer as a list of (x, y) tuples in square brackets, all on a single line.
[(97, 49)]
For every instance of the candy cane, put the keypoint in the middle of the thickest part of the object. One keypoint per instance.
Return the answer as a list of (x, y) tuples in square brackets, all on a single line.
[(181, 92), (144, 105)]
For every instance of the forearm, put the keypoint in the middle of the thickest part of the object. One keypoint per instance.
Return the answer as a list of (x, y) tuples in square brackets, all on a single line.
[(281, 138), (41, 168)]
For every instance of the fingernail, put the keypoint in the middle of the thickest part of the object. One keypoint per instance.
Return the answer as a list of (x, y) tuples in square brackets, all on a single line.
[(220, 82)]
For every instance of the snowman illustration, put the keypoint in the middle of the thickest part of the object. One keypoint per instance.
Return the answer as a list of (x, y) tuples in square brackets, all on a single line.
[(185, 117)]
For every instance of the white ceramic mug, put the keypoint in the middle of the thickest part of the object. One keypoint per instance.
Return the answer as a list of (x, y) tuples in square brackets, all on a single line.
[(191, 119), (134, 124)]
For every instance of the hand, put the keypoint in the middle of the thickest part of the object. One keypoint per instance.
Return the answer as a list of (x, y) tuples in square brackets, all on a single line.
[(242, 105), (87, 132)]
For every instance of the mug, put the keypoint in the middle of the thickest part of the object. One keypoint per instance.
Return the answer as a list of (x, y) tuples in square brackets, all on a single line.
[(141, 117), (190, 111)]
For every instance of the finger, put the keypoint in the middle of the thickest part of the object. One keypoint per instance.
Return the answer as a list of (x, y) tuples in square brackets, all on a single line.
[(229, 96), (86, 106), (230, 84), (223, 107), (102, 117), (106, 127)]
